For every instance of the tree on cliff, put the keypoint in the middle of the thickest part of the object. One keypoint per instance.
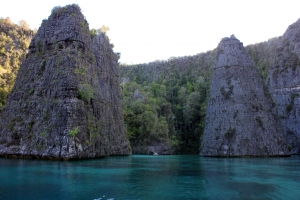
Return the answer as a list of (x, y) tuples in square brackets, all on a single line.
[(103, 30), (14, 41)]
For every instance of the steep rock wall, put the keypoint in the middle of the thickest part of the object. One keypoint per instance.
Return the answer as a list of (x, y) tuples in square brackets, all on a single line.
[(66, 102), (284, 84), (240, 118)]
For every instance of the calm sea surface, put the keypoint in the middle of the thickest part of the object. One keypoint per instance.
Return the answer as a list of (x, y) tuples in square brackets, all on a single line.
[(151, 177)]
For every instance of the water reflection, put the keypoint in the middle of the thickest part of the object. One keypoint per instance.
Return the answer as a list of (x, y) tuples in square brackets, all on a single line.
[(152, 177)]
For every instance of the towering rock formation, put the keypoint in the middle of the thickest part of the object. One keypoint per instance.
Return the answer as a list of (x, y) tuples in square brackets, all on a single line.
[(66, 101), (284, 84), (240, 118)]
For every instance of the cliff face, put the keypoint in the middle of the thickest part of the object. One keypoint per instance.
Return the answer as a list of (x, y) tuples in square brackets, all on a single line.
[(277, 60), (240, 118), (284, 84), (66, 102)]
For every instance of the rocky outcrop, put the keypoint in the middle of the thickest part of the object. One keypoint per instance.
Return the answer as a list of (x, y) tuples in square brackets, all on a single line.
[(137, 95), (284, 84), (240, 118), (66, 100), (155, 148)]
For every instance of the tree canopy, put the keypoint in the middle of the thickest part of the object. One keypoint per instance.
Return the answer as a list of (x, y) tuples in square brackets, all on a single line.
[(14, 42)]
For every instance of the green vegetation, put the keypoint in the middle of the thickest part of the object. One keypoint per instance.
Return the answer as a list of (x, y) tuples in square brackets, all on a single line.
[(263, 55), (172, 101), (82, 24), (147, 120), (80, 71), (14, 41), (103, 30), (74, 132), (183, 84), (173, 94), (58, 10), (85, 92), (93, 33), (91, 127)]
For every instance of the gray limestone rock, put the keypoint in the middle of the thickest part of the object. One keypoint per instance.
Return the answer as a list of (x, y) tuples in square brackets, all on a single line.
[(137, 95), (284, 84), (240, 118), (159, 148), (66, 100)]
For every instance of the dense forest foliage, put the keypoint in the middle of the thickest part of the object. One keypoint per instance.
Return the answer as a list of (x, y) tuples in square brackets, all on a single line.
[(175, 93), (162, 101), (14, 42), (263, 55), (166, 101)]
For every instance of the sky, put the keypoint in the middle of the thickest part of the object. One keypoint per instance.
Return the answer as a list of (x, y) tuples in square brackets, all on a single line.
[(148, 30)]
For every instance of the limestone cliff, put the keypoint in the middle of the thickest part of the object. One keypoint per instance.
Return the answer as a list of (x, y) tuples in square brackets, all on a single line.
[(240, 117), (284, 84), (66, 101)]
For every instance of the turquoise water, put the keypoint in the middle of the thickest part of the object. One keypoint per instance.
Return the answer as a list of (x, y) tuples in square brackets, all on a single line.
[(151, 177)]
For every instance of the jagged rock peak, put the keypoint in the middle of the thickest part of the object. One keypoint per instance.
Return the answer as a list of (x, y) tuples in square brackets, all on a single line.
[(232, 36), (231, 52), (290, 41), (293, 30), (65, 103), (65, 27), (240, 119)]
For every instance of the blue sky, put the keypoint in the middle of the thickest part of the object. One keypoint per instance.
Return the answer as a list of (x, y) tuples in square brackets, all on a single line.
[(149, 30)]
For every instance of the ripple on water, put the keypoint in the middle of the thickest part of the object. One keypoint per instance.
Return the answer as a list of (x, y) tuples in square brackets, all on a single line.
[(151, 177)]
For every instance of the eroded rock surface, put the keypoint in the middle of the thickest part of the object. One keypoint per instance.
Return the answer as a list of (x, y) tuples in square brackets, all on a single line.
[(66, 100), (240, 117), (284, 84)]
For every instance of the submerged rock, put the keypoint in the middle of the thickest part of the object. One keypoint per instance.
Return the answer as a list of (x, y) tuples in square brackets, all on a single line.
[(240, 117), (66, 100), (284, 84)]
